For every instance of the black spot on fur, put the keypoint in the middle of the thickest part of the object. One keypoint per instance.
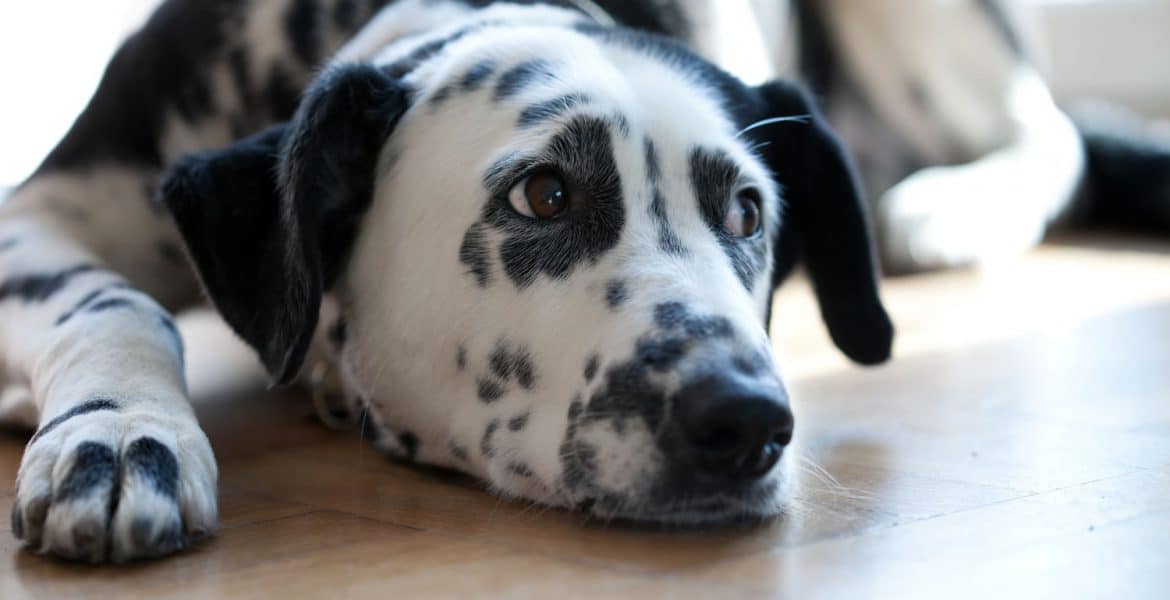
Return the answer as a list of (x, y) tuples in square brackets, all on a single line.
[(520, 469), (616, 293), (81, 409), (554, 248), (474, 254), (339, 333), (148, 543), (518, 422), (109, 304), (653, 167), (591, 367), (668, 240), (461, 358), (508, 362), (94, 466), (714, 176), (622, 123), (477, 75), (304, 31), (459, 452), (486, 447), (85, 300), (551, 109), (673, 315), (514, 80), (409, 443), (155, 464), (489, 391), (40, 287)]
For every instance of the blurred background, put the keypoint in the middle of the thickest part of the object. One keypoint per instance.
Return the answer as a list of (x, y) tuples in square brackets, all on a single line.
[(52, 53)]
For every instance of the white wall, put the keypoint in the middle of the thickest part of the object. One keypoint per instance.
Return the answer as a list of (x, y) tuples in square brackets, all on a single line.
[(1115, 49)]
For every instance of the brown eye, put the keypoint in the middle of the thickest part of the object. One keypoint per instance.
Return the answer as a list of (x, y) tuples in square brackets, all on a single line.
[(743, 216), (540, 196)]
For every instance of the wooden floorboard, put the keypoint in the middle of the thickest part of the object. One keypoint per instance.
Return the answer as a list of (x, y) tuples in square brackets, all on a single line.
[(1019, 446)]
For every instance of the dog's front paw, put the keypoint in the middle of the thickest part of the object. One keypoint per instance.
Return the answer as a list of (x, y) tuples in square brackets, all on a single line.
[(108, 485), (945, 217)]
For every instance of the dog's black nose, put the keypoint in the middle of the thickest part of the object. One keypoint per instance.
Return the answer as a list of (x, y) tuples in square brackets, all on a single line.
[(735, 429)]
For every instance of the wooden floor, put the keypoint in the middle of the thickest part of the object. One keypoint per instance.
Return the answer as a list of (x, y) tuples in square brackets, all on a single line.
[(1018, 446)]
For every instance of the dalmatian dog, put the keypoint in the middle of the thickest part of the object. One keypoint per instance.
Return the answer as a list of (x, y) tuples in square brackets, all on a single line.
[(537, 241)]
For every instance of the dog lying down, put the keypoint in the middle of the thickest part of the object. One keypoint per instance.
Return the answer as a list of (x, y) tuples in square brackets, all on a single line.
[(552, 240)]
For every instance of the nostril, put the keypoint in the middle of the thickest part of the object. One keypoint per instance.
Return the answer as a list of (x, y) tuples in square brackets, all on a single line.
[(736, 428)]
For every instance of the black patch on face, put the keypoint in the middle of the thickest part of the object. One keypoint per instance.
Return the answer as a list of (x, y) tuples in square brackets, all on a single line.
[(591, 367), (474, 254), (81, 409), (751, 365), (714, 177), (514, 80), (667, 240), (518, 422), (155, 464), (486, 448), (459, 452), (409, 443), (520, 469), (616, 293), (477, 75), (551, 109), (304, 31), (489, 391), (94, 467), (171, 253), (622, 124), (40, 287), (339, 333), (674, 315), (583, 154), (508, 362), (461, 358)]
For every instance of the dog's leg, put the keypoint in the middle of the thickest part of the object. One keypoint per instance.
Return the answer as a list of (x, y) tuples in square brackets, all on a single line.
[(955, 93), (119, 468), (997, 206)]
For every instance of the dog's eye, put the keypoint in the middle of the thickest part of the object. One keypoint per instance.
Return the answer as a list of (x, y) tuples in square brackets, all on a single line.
[(542, 195), (743, 216)]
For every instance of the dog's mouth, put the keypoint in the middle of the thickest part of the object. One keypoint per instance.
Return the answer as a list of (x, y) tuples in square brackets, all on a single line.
[(759, 502), (667, 503)]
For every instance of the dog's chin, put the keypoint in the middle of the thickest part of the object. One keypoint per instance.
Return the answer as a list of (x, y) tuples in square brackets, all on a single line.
[(750, 505)]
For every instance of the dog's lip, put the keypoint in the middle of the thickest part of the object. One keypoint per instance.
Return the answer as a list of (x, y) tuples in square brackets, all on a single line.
[(748, 504)]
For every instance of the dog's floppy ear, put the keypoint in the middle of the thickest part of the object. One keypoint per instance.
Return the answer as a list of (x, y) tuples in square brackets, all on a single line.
[(825, 222), (269, 221)]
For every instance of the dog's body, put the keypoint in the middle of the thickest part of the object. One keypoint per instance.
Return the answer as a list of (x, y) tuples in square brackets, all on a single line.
[(609, 355)]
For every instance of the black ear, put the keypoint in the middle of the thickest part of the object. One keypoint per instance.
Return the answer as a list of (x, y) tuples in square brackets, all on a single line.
[(825, 223), (269, 220)]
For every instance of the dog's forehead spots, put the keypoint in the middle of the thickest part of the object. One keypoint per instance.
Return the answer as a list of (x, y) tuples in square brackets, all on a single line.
[(477, 75), (517, 78), (616, 293), (551, 109)]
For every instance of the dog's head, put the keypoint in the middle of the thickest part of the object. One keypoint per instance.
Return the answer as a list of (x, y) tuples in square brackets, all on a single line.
[(554, 247)]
